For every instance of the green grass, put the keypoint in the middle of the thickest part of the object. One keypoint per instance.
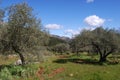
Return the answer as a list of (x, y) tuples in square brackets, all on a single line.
[(84, 71), (76, 68)]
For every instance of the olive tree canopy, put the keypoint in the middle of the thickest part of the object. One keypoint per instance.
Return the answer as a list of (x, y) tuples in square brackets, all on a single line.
[(23, 31), (102, 41)]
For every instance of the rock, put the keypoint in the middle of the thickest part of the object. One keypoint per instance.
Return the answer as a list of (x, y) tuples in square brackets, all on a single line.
[(18, 62), (71, 75)]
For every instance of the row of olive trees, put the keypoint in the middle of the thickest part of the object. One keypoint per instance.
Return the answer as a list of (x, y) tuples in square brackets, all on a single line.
[(58, 45), (21, 32), (62, 48), (100, 41)]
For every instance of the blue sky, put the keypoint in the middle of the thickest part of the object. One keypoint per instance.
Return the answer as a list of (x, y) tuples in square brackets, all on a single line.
[(69, 17)]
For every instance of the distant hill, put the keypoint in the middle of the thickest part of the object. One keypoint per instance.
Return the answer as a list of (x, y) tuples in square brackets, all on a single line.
[(62, 37), (55, 39)]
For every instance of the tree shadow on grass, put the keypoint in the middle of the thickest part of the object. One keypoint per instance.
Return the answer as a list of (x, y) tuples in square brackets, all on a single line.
[(77, 61), (82, 61)]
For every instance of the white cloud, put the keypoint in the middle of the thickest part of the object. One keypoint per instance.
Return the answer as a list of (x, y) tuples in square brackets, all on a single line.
[(87, 28), (89, 1), (53, 26), (72, 32), (94, 21)]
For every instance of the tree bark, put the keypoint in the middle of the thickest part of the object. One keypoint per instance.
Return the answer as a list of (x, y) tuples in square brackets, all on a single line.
[(77, 53), (22, 58), (104, 55), (20, 55), (103, 59)]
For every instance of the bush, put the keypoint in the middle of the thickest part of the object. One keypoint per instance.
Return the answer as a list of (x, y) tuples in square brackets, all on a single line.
[(5, 74), (17, 70)]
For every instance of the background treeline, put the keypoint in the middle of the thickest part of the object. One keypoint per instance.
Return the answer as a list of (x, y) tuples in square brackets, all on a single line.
[(100, 41)]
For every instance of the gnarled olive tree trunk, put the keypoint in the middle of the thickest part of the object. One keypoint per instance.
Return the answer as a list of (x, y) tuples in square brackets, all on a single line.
[(20, 55)]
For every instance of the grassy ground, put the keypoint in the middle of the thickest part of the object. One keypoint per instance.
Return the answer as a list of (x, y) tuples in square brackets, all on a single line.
[(83, 68), (72, 68)]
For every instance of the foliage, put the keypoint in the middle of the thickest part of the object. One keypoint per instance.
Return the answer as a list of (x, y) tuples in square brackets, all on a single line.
[(5, 74), (38, 56), (61, 48), (18, 72), (54, 41), (101, 41), (1, 15), (23, 31)]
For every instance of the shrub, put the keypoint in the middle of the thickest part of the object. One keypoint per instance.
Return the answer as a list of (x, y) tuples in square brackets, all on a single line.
[(5, 74)]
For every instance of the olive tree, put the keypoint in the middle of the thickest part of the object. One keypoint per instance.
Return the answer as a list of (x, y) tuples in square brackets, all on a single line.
[(1, 14), (80, 43), (1, 25), (74, 45), (61, 48), (23, 31), (102, 41)]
